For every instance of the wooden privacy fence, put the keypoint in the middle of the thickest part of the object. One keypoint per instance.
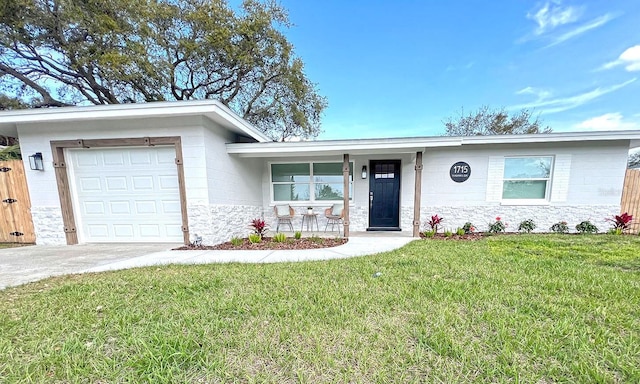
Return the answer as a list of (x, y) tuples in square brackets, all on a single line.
[(16, 225), (631, 198)]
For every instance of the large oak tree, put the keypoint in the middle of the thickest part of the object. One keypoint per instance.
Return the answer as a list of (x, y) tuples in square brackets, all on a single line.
[(487, 121), (72, 52)]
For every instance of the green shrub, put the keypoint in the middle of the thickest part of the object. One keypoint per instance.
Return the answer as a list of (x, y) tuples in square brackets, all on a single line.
[(460, 232), (236, 241), (255, 238), (560, 227), (586, 227), (429, 234), (448, 233), (468, 228), (497, 226), (297, 235), (615, 231), (527, 226), (279, 237), (316, 239)]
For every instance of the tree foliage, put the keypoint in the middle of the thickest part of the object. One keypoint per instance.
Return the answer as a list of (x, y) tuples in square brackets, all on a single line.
[(68, 52), (634, 160), (487, 121)]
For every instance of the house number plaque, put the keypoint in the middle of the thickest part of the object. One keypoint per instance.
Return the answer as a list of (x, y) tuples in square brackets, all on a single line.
[(460, 172)]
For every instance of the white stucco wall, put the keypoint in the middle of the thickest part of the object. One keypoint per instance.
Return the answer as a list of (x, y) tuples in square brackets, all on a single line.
[(593, 185), (589, 189), (234, 190), (215, 212)]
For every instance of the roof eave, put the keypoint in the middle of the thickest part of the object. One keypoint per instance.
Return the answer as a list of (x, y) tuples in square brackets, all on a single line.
[(210, 108), (406, 145)]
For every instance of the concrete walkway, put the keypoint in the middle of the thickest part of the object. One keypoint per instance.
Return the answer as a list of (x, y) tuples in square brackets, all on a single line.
[(27, 264)]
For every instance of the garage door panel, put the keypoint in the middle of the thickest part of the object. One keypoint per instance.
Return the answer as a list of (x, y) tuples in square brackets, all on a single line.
[(87, 159), (146, 207), (168, 183), (120, 207), (123, 230), (140, 158), (99, 231), (90, 184), (142, 183), (126, 195), (113, 159), (149, 230), (93, 208), (116, 183), (170, 206)]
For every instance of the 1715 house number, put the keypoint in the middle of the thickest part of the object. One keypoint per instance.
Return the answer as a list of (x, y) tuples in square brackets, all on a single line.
[(460, 172)]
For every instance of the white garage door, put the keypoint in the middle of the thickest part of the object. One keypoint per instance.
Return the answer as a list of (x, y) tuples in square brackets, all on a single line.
[(126, 194)]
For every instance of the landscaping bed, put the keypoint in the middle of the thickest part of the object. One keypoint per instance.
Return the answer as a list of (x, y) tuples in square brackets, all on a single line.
[(268, 243)]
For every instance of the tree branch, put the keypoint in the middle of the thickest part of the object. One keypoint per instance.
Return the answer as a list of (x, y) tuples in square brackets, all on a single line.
[(47, 99)]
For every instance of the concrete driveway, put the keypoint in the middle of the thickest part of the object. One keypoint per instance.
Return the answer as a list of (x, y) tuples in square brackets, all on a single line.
[(25, 264), (31, 263)]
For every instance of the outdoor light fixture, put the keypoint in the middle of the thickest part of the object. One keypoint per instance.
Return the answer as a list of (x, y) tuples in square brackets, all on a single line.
[(35, 162), (364, 171)]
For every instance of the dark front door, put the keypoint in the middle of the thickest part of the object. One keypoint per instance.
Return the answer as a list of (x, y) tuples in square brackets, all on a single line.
[(384, 195)]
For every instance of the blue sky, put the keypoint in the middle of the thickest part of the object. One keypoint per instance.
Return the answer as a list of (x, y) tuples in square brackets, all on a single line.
[(400, 68)]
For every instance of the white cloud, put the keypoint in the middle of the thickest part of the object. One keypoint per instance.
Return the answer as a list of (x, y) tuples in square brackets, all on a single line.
[(469, 65), (630, 59), (595, 23), (553, 22), (608, 122), (540, 94), (552, 15), (546, 105)]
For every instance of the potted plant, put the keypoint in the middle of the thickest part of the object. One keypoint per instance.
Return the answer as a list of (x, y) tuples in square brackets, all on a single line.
[(310, 210)]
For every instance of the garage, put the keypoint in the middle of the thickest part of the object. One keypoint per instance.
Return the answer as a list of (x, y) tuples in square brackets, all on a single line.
[(125, 194)]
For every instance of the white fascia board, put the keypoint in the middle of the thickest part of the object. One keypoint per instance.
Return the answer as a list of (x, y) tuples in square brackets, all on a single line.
[(136, 110), (559, 137), (412, 144), (334, 147)]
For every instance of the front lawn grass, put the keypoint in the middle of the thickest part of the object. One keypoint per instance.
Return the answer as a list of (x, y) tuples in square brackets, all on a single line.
[(522, 308)]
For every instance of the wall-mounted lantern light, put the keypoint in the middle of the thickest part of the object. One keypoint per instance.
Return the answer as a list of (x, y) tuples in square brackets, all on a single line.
[(364, 171), (35, 162)]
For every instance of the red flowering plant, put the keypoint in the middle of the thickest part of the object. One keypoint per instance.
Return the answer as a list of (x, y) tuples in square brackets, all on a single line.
[(497, 226), (434, 222), (621, 222), (259, 227)]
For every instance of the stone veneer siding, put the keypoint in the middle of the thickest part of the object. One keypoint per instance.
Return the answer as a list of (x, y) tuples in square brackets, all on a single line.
[(543, 216), (219, 223), (48, 225)]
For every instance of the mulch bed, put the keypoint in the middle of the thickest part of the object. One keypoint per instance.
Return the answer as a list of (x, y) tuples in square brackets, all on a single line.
[(268, 244), (467, 237)]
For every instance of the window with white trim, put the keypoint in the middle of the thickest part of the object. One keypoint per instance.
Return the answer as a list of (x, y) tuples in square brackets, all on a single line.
[(527, 178), (309, 182)]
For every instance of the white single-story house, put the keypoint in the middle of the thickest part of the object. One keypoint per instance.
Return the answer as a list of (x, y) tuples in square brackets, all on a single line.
[(164, 171)]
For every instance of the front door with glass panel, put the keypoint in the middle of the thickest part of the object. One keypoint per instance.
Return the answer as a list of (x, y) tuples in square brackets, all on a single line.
[(384, 195)]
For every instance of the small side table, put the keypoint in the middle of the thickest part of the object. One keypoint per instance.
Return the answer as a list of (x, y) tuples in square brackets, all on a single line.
[(310, 218)]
